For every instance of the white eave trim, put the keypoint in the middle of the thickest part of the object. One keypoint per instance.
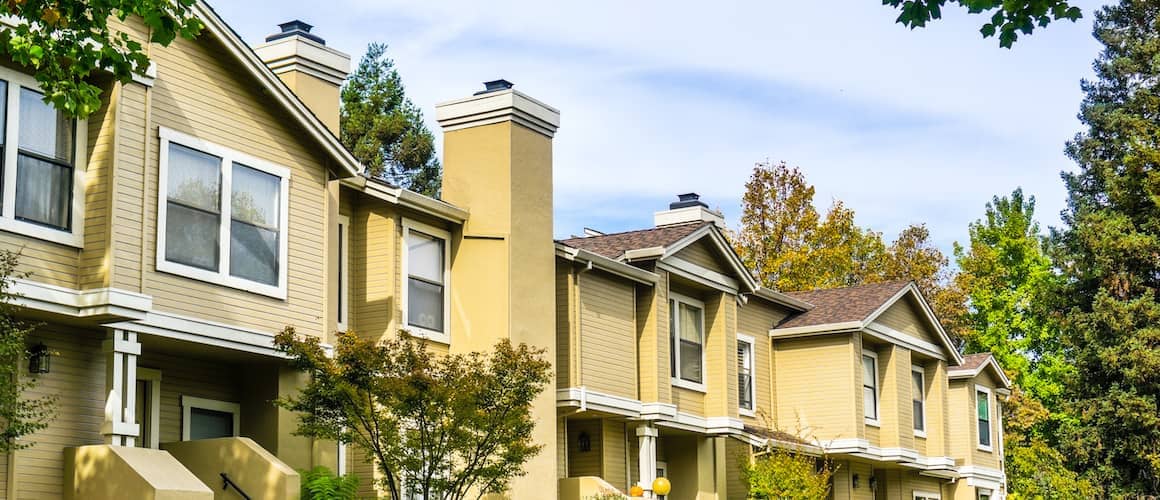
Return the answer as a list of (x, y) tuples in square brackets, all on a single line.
[(931, 319), (585, 400), (605, 264), (904, 456), (314, 127), (98, 302), (783, 299), (643, 254), (722, 245), (887, 334), (964, 373), (802, 331), (212, 333), (408, 199)]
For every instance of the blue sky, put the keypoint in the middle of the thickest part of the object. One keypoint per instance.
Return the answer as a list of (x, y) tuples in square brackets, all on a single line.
[(660, 98)]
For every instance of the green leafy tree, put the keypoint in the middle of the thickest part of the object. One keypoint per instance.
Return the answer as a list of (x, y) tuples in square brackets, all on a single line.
[(65, 42), (1108, 252), (384, 130), (1007, 276), (444, 426), (1009, 18), (20, 416)]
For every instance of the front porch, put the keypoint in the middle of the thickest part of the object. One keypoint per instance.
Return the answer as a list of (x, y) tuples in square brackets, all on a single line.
[(161, 414)]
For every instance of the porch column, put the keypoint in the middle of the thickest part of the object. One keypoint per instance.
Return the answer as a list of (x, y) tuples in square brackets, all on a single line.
[(121, 350), (648, 457)]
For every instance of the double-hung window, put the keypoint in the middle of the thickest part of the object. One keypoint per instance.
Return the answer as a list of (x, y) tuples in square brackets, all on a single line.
[(425, 298), (870, 387), (222, 216), (983, 410), (43, 179), (918, 397), (746, 391), (687, 336)]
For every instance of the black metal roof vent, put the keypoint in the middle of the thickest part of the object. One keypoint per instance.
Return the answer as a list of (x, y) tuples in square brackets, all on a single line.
[(687, 200), (495, 86), (295, 27)]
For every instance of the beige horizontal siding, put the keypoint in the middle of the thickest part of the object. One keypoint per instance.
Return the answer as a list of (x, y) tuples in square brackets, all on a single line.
[(756, 319), (78, 377), (691, 402), (705, 254), (607, 334), (564, 329), (374, 269), (816, 391), (906, 317), (584, 463), (200, 91), (615, 455), (94, 258)]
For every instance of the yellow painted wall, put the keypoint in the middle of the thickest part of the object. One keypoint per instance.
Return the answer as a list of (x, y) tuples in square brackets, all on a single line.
[(720, 355), (705, 254), (736, 454), (607, 334), (652, 318), (816, 388), (756, 319), (566, 337), (78, 374), (907, 317), (585, 463), (614, 445)]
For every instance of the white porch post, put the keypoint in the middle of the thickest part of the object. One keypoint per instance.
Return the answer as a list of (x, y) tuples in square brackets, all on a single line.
[(121, 351), (648, 457)]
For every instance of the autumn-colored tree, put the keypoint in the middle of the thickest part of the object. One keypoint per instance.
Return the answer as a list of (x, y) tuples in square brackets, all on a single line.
[(777, 216)]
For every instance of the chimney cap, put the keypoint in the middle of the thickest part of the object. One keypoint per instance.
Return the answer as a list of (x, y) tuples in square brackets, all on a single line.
[(296, 27), (687, 200), (495, 86)]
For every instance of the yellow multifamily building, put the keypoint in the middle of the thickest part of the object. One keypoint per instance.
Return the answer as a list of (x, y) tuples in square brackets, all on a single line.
[(209, 204)]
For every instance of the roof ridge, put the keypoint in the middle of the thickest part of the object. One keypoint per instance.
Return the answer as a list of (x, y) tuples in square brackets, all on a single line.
[(621, 233), (851, 287)]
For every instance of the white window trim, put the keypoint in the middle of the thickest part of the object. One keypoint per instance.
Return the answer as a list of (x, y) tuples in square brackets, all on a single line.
[(926, 495), (922, 373), (154, 378), (75, 237), (418, 331), (222, 275), (979, 492), (877, 392), (190, 402), (990, 424), (344, 272), (664, 466), (746, 339), (677, 381)]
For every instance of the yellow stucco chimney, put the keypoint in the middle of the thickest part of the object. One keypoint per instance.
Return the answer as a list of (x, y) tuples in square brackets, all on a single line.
[(311, 69), (497, 163)]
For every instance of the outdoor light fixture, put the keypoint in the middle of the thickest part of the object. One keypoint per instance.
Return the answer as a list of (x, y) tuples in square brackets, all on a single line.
[(585, 442), (38, 359), (873, 483), (855, 480)]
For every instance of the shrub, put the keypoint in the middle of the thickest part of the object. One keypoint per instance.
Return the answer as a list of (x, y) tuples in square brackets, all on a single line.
[(320, 483)]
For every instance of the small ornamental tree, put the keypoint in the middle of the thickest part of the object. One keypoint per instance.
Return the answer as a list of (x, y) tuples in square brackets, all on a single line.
[(64, 42), (439, 426), (779, 474), (19, 416)]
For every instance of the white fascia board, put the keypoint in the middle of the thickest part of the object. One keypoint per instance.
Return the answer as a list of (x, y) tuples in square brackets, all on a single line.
[(890, 335), (581, 397), (79, 303), (701, 272), (658, 411), (695, 277), (722, 246), (928, 314), (605, 264), (783, 299), (408, 199), (964, 373), (802, 331), (206, 332), (281, 93), (643, 254)]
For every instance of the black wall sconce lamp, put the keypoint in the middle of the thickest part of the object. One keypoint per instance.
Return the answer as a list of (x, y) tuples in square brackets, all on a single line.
[(585, 442), (856, 481), (873, 483), (39, 359)]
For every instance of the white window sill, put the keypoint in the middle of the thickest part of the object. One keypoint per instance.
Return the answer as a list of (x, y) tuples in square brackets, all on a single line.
[(429, 335), (746, 413), (920, 434), (985, 448), (873, 422), (72, 239), (216, 278), (685, 384)]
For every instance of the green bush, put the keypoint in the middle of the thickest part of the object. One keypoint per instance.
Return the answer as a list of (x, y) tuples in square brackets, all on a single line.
[(782, 475), (320, 483)]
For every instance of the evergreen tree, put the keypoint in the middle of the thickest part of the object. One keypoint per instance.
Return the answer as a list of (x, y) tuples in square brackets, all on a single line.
[(1108, 251), (384, 130)]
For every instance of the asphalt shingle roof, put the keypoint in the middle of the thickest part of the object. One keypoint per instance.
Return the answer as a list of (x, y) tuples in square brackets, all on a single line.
[(972, 361), (840, 305), (613, 245)]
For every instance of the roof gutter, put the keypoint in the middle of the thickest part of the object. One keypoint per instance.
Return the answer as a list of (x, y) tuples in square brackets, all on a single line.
[(407, 199)]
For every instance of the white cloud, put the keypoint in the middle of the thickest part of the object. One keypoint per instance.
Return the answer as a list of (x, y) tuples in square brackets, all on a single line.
[(665, 97)]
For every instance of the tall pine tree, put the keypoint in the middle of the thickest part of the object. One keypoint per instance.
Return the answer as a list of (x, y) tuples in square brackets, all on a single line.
[(384, 130), (1109, 251)]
